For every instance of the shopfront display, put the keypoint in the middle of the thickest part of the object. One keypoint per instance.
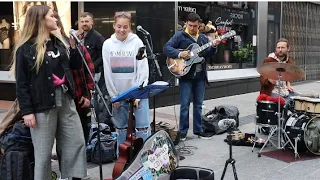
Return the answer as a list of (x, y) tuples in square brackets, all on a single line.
[(12, 17), (234, 53)]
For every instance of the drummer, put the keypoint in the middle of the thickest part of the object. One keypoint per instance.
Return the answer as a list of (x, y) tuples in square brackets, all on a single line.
[(268, 85)]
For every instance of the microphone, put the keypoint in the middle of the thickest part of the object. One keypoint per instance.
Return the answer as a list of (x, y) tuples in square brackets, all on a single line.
[(139, 28), (73, 33), (226, 123)]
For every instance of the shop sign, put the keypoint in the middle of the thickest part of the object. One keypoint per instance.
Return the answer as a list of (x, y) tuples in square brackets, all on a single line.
[(220, 67), (228, 17), (223, 24), (187, 9)]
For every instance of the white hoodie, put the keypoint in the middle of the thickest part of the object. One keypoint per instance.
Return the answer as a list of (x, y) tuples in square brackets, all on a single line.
[(122, 70)]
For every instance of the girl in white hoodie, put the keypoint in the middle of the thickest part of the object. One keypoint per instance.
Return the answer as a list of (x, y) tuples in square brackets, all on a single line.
[(122, 71)]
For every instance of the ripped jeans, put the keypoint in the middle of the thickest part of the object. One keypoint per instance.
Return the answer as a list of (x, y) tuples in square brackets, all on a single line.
[(142, 116)]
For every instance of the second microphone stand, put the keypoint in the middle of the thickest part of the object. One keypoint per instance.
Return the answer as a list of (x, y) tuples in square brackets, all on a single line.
[(97, 93), (153, 70)]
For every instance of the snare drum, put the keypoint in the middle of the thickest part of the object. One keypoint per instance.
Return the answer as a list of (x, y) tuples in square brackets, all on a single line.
[(299, 103), (267, 112), (313, 105)]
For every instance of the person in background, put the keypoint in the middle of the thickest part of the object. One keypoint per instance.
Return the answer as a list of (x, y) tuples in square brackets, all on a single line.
[(42, 64), (92, 39)]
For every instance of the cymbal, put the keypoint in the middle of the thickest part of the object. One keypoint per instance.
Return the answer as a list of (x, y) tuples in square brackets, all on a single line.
[(289, 72)]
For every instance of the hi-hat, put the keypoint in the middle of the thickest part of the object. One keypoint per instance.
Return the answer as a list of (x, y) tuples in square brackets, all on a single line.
[(289, 72)]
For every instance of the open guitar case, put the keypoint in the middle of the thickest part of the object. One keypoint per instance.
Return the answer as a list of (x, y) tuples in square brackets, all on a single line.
[(158, 159)]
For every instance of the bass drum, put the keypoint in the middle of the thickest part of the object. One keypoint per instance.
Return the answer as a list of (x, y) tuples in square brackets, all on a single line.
[(312, 135), (295, 127)]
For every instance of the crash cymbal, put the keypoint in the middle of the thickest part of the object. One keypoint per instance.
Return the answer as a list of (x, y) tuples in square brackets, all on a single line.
[(289, 72)]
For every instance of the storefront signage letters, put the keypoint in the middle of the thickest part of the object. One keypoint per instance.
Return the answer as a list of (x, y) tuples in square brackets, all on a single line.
[(217, 67), (224, 23), (187, 9), (236, 16)]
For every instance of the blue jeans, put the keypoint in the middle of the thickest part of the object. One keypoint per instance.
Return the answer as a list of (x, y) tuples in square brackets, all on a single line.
[(142, 117), (188, 87), (287, 99)]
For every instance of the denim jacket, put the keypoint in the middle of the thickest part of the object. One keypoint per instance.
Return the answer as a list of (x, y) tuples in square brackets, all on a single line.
[(35, 91)]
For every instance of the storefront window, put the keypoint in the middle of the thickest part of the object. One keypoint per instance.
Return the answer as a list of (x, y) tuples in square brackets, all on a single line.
[(6, 34), (12, 15), (219, 18), (274, 11)]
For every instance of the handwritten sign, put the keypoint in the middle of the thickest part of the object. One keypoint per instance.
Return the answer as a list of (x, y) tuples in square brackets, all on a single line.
[(159, 158), (223, 24)]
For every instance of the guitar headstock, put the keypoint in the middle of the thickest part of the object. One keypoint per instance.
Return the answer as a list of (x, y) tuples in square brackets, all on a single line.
[(228, 34)]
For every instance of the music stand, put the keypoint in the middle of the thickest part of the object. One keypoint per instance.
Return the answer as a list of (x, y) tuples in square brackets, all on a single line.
[(129, 96), (142, 92)]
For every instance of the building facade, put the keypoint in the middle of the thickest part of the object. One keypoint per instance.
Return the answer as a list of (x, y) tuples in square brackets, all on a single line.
[(231, 71)]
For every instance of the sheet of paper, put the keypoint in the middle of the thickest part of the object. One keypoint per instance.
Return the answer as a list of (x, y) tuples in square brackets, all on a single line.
[(254, 40)]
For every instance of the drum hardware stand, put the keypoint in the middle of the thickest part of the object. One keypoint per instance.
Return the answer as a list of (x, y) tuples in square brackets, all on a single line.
[(279, 128), (231, 160), (255, 133), (296, 139)]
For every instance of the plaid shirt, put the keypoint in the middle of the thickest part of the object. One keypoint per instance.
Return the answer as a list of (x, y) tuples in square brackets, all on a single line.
[(82, 79)]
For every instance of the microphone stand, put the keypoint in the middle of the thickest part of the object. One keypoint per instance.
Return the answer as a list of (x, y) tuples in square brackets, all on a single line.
[(97, 93), (155, 66), (231, 160)]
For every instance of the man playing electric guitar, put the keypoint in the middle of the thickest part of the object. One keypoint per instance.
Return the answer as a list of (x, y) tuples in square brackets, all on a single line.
[(193, 83)]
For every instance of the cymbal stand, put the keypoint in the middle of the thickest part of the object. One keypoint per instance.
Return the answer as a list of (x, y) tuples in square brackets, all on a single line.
[(279, 129)]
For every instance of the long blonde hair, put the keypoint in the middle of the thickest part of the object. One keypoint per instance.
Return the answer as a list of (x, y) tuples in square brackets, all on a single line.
[(34, 27)]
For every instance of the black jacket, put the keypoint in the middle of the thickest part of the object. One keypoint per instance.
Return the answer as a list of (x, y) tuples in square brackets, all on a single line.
[(93, 42), (36, 91), (181, 40)]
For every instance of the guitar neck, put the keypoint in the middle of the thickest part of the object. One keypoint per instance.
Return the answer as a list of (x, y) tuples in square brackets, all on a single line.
[(203, 47)]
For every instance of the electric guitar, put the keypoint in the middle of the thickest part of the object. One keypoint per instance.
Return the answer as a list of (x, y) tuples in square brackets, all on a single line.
[(180, 66)]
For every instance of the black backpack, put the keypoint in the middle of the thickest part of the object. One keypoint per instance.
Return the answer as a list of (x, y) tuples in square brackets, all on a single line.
[(18, 160), (16, 165), (108, 144), (211, 119)]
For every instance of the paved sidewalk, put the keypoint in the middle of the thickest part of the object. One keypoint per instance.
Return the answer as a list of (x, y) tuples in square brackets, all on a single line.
[(213, 153)]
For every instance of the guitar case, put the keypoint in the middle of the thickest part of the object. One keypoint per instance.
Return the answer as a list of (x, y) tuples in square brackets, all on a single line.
[(158, 159)]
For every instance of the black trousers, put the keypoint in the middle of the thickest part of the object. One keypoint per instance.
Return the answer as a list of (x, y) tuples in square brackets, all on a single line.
[(85, 122)]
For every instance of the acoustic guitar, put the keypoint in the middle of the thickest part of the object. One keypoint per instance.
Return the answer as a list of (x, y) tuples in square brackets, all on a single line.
[(180, 67), (130, 148)]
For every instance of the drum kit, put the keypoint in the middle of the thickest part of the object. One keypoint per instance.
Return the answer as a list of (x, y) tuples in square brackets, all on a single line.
[(302, 125)]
